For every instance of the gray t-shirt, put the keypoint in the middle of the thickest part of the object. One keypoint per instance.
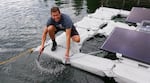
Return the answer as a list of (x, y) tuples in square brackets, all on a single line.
[(64, 23)]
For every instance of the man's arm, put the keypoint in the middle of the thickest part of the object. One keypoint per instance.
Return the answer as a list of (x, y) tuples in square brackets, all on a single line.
[(43, 39), (68, 33)]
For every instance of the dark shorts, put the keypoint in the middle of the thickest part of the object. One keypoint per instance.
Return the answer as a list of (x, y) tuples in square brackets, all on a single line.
[(73, 31)]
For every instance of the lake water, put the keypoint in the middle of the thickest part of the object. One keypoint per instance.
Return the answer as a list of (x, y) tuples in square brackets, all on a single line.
[(21, 26)]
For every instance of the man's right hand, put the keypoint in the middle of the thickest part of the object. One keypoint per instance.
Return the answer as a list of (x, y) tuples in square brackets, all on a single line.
[(41, 49)]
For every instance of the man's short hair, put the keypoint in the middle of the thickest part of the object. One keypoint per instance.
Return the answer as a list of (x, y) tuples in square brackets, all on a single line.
[(55, 9)]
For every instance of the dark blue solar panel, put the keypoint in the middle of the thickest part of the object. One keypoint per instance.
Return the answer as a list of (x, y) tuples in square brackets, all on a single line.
[(132, 44), (138, 14)]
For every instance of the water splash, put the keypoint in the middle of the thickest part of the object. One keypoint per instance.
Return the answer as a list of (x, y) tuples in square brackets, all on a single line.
[(49, 65)]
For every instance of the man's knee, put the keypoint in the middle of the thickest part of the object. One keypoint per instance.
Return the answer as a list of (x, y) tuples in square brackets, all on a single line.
[(76, 38), (51, 28)]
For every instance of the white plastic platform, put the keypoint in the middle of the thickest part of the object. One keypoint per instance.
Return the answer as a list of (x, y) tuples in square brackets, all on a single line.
[(87, 27)]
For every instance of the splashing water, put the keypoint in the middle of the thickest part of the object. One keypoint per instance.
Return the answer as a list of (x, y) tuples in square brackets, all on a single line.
[(49, 65)]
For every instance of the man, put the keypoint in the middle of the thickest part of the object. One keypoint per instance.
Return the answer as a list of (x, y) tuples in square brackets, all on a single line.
[(59, 22)]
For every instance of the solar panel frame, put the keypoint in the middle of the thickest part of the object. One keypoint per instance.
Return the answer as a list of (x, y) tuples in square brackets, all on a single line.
[(131, 44), (145, 24)]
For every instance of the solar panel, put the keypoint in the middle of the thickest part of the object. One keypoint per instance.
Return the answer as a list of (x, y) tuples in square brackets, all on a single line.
[(138, 14), (132, 44)]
